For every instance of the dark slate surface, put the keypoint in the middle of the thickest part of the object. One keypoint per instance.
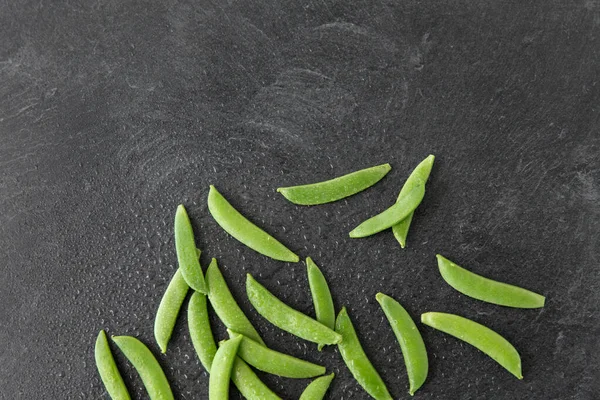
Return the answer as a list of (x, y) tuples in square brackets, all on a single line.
[(113, 112)]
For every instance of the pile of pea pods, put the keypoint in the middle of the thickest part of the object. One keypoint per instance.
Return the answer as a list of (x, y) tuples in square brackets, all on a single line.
[(233, 360)]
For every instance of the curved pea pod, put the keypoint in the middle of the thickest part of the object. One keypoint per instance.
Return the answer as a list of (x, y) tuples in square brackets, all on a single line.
[(394, 214), (357, 361), (335, 189), (249, 385), (227, 309), (220, 372), (478, 336), (322, 300), (187, 252), (200, 330), (145, 364), (419, 174), (168, 310), (107, 368), (485, 289), (284, 317), (410, 340), (316, 389), (274, 362), (245, 231)]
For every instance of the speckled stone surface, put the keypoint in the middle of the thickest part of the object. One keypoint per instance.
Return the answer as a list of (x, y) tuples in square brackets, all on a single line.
[(114, 112)]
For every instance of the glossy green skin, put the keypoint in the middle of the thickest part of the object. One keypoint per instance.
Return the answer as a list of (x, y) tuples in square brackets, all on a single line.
[(419, 174), (274, 362), (390, 217), (249, 385), (284, 317), (410, 340), (168, 310), (200, 330), (317, 388), (357, 361), (479, 336), (335, 189), (245, 231), (143, 360), (484, 289), (227, 309), (107, 368), (321, 296), (187, 253), (220, 372)]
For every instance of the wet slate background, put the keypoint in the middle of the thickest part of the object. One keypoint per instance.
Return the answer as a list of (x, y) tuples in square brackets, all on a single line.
[(113, 112)]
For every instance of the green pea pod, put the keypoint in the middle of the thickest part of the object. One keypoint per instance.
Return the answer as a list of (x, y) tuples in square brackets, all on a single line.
[(187, 252), (225, 305), (245, 231), (335, 189), (484, 289), (419, 174), (220, 372), (143, 361), (316, 389), (168, 310), (357, 361), (390, 217), (107, 368), (284, 317), (274, 362), (410, 340), (321, 296), (479, 336), (249, 385), (200, 331)]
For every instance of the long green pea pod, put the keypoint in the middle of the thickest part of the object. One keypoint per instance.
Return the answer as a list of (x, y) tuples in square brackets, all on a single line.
[(482, 337), (220, 372), (419, 174), (485, 289), (335, 189), (249, 385), (322, 300), (168, 310), (107, 368), (410, 340), (357, 361), (227, 309), (145, 364), (316, 389), (200, 331), (274, 362), (187, 252)]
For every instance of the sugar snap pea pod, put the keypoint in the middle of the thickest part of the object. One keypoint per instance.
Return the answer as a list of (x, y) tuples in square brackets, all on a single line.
[(220, 372), (284, 317), (200, 331), (390, 217), (274, 362), (187, 252), (335, 189), (227, 309), (419, 174), (357, 361), (321, 296), (249, 385), (107, 368), (484, 289), (166, 316), (479, 336), (410, 340), (245, 231), (316, 389), (143, 360)]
